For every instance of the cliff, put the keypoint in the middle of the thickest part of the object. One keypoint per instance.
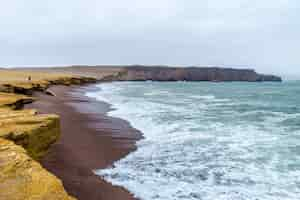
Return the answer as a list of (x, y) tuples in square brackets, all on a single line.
[(26, 136), (33, 132), (157, 73), (22, 178), (13, 81)]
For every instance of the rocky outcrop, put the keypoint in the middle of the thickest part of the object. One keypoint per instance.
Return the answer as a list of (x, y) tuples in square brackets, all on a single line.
[(156, 73), (25, 137), (14, 101), (22, 178), (33, 132), (29, 87), (264, 77)]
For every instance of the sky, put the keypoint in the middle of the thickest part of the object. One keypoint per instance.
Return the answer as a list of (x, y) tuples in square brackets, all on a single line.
[(259, 34)]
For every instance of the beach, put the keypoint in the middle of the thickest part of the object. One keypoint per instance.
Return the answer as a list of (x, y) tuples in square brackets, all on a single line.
[(89, 140), (101, 137)]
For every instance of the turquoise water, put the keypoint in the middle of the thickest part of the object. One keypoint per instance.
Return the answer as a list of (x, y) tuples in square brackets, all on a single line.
[(208, 141)]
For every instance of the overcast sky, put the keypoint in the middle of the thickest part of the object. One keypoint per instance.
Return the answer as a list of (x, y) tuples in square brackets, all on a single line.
[(260, 34)]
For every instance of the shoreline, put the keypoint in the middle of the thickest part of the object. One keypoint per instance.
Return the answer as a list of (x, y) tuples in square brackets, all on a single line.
[(89, 140)]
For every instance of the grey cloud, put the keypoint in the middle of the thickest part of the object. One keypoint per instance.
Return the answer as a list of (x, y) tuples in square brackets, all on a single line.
[(260, 34)]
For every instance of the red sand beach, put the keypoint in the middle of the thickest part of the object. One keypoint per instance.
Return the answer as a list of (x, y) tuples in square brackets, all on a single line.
[(89, 140)]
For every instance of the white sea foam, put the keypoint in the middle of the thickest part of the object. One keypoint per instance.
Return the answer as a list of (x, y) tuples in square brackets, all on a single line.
[(207, 148), (208, 97)]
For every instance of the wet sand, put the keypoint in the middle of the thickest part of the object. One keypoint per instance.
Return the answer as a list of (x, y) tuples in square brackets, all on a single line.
[(89, 140)]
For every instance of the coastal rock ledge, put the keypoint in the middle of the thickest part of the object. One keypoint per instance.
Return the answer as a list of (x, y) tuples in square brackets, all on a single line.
[(21, 177), (25, 138)]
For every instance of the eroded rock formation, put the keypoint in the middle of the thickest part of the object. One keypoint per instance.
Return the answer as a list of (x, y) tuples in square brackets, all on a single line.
[(21, 177), (25, 137)]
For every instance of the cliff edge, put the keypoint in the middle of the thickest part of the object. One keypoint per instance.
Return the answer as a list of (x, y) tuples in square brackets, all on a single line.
[(21, 177), (158, 73), (26, 136)]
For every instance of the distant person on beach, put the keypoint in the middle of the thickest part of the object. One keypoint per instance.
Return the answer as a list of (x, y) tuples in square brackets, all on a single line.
[(29, 78)]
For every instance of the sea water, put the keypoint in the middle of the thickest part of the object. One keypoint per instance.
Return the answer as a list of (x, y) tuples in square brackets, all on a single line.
[(209, 141)]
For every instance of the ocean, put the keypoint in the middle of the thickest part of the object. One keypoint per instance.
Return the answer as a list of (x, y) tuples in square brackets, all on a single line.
[(208, 141)]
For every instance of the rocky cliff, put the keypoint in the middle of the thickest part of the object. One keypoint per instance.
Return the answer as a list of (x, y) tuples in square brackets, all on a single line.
[(26, 136), (156, 73), (22, 178)]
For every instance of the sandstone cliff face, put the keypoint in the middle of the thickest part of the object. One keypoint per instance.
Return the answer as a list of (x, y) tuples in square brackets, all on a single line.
[(22, 178), (25, 127), (25, 137), (14, 101), (33, 132), (141, 73), (28, 87)]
